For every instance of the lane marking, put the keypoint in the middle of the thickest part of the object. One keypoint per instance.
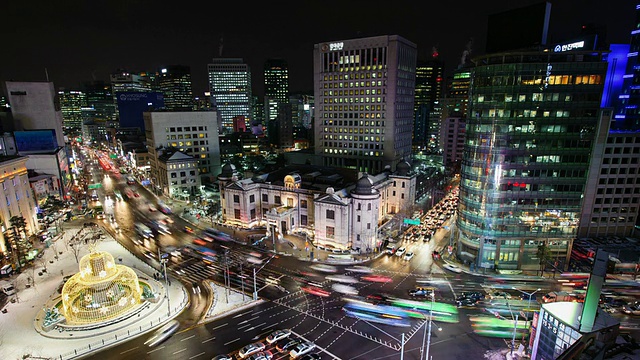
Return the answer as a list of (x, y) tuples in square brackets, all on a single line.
[(179, 351), (195, 356), (187, 338), (232, 341), (156, 349), (242, 314), (219, 326), (126, 351), (209, 339)]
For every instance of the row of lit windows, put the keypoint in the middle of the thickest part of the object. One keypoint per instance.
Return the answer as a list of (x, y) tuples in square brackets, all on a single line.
[(353, 131), (328, 144), (354, 152), (353, 100), (353, 138), (185, 136), (368, 75), (182, 166), (353, 123), (527, 113), (352, 115), (538, 80), (352, 84)]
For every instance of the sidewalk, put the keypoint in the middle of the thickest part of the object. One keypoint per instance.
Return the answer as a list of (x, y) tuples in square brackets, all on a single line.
[(25, 336)]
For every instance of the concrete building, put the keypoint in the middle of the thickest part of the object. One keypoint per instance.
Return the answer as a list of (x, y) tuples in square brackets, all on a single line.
[(192, 132), (338, 208), (34, 106), (451, 140), (14, 181), (230, 90), (178, 174), (364, 89)]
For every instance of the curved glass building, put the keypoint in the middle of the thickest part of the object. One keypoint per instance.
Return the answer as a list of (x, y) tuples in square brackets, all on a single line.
[(532, 120)]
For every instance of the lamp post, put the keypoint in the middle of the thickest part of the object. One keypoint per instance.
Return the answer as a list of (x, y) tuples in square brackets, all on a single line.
[(529, 295), (422, 349), (515, 327)]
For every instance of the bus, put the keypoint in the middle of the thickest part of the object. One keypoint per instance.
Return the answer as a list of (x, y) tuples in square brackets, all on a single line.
[(383, 314), (216, 235), (500, 328), (441, 311), (143, 230)]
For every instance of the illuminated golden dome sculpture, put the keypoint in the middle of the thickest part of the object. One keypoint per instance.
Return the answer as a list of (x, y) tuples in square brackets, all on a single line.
[(101, 290)]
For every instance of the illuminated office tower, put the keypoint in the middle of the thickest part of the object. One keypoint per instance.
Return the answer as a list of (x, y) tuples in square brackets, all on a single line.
[(230, 88), (533, 119), (71, 104), (174, 82), (99, 102), (429, 80), (276, 86), (365, 93)]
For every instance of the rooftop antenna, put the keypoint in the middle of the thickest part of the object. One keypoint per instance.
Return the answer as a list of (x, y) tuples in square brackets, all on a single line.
[(46, 74), (221, 45)]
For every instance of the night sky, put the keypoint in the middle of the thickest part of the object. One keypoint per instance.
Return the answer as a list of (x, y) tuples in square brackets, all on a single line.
[(78, 40)]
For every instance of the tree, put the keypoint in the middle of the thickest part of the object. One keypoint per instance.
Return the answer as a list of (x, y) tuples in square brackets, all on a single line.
[(544, 255), (19, 243)]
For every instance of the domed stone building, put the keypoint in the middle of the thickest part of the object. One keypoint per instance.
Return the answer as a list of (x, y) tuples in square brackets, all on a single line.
[(339, 208)]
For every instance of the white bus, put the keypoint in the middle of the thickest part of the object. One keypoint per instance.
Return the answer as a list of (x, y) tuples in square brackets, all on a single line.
[(144, 230)]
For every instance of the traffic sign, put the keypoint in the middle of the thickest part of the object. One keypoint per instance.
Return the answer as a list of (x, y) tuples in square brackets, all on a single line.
[(95, 186)]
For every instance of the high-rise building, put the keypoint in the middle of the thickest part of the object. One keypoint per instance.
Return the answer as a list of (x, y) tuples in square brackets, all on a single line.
[(276, 86), (174, 82), (302, 107), (628, 112), (429, 81), (100, 104), (71, 104), (230, 88), (35, 106), (526, 155), (126, 82), (458, 91), (365, 91)]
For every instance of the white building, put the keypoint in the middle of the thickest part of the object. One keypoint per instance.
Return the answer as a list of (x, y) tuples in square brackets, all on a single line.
[(192, 132), (178, 174), (18, 198), (339, 208), (364, 95)]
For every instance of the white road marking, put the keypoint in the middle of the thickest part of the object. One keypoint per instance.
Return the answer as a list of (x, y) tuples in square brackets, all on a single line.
[(232, 341), (187, 338), (209, 339), (156, 349), (219, 326), (126, 351), (242, 314), (179, 351), (195, 356)]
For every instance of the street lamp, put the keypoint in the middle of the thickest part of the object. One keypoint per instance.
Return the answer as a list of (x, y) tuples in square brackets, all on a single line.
[(529, 295), (429, 331)]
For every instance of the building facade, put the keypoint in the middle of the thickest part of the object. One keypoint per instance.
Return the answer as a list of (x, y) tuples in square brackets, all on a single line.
[(337, 208), (174, 82), (14, 182), (230, 89), (71, 104), (364, 89), (276, 86), (192, 132), (534, 119), (178, 174)]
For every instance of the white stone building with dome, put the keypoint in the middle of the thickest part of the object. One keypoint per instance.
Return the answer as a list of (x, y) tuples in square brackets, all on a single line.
[(338, 208)]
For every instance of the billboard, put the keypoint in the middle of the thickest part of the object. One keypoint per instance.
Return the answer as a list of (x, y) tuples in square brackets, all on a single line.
[(131, 105), (35, 140), (518, 28)]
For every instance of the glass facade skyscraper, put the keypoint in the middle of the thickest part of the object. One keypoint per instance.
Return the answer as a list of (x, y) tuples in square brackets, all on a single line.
[(71, 104), (533, 118), (174, 82), (230, 88)]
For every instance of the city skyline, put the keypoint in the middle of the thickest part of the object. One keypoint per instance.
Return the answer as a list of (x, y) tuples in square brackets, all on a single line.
[(71, 44)]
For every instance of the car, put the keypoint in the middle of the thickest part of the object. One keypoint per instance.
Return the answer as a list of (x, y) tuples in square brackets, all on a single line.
[(262, 355), (498, 295), (313, 290), (376, 299), (324, 268), (376, 278), (466, 302), (152, 208), (436, 255), (401, 251), (421, 292), (474, 295), (390, 250), (163, 333), (312, 356), (251, 349), (632, 309), (301, 349), (286, 345), (344, 289), (222, 357), (408, 256), (342, 279), (188, 229), (452, 267), (136, 194), (278, 335), (360, 269)]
